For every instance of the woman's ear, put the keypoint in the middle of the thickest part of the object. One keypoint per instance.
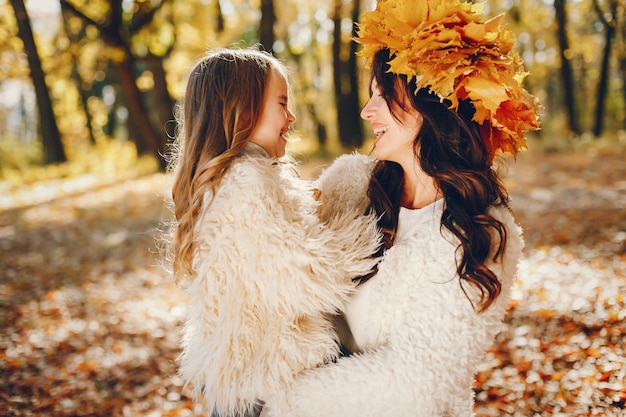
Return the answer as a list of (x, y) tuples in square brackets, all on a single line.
[(420, 121)]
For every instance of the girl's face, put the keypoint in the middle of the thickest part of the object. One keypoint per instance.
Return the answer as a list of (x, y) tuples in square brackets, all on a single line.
[(275, 118), (394, 138)]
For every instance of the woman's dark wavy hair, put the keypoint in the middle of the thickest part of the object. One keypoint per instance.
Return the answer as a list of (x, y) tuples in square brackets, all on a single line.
[(450, 150)]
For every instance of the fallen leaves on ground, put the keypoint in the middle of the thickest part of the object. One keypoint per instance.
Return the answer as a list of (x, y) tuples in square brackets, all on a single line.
[(91, 322), (564, 351)]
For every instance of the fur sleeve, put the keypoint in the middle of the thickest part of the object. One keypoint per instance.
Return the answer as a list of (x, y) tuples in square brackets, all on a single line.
[(343, 185)]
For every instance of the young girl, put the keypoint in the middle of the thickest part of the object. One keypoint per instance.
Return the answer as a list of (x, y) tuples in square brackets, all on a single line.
[(445, 99), (263, 272)]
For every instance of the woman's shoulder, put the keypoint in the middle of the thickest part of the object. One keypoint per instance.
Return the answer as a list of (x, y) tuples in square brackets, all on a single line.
[(514, 236), (505, 215)]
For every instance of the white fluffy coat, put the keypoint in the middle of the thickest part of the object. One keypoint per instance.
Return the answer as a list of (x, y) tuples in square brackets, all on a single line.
[(268, 275), (420, 339)]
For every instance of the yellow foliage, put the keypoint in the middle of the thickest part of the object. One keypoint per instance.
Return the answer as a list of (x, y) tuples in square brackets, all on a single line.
[(108, 158)]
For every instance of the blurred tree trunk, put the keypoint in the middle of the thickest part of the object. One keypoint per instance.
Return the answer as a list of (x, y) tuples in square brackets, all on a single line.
[(307, 96), (609, 35), (124, 63), (84, 96), (567, 75), (621, 12), (220, 25), (48, 128), (346, 82), (160, 100), (84, 100), (266, 29), (137, 112), (163, 102)]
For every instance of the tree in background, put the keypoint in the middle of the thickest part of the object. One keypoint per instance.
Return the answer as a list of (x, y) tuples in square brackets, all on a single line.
[(609, 20), (53, 151), (567, 75), (158, 48), (117, 33), (266, 26), (345, 78), (75, 40), (621, 12), (113, 56)]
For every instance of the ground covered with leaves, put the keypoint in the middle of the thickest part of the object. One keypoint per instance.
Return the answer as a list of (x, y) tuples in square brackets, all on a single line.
[(91, 323)]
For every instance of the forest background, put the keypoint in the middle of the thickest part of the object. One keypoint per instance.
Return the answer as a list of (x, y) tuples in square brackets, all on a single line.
[(88, 91), (79, 77)]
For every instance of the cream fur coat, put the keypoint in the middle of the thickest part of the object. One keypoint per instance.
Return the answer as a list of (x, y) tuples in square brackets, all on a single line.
[(268, 276), (417, 337)]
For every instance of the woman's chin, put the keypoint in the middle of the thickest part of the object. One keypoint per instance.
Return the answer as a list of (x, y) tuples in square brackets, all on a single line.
[(378, 153)]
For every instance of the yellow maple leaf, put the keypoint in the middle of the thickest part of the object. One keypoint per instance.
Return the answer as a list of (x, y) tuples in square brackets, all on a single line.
[(474, 32), (488, 92)]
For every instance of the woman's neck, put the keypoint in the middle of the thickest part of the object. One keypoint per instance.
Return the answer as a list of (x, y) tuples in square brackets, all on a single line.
[(420, 189)]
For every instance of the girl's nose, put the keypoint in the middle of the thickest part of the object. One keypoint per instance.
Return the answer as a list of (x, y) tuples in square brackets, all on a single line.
[(291, 118)]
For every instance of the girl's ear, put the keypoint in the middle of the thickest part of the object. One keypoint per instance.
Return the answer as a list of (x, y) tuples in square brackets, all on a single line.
[(246, 122)]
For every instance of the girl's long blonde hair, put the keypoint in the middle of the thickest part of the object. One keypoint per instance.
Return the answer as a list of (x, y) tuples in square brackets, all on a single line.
[(218, 113)]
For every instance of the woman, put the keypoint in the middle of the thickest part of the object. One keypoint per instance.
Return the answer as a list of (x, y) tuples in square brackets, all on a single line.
[(263, 273), (422, 322)]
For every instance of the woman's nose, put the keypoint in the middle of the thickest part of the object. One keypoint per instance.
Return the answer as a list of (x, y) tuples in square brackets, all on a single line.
[(367, 111), (291, 118)]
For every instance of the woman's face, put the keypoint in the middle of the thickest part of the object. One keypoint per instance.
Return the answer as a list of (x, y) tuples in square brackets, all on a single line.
[(275, 117), (393, 137)]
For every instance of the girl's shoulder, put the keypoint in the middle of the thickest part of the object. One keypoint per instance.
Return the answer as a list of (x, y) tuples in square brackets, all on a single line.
[(253, 178), (252, 170)]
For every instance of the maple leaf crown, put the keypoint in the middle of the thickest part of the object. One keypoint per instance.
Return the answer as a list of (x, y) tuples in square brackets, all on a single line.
[(453, 52)]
